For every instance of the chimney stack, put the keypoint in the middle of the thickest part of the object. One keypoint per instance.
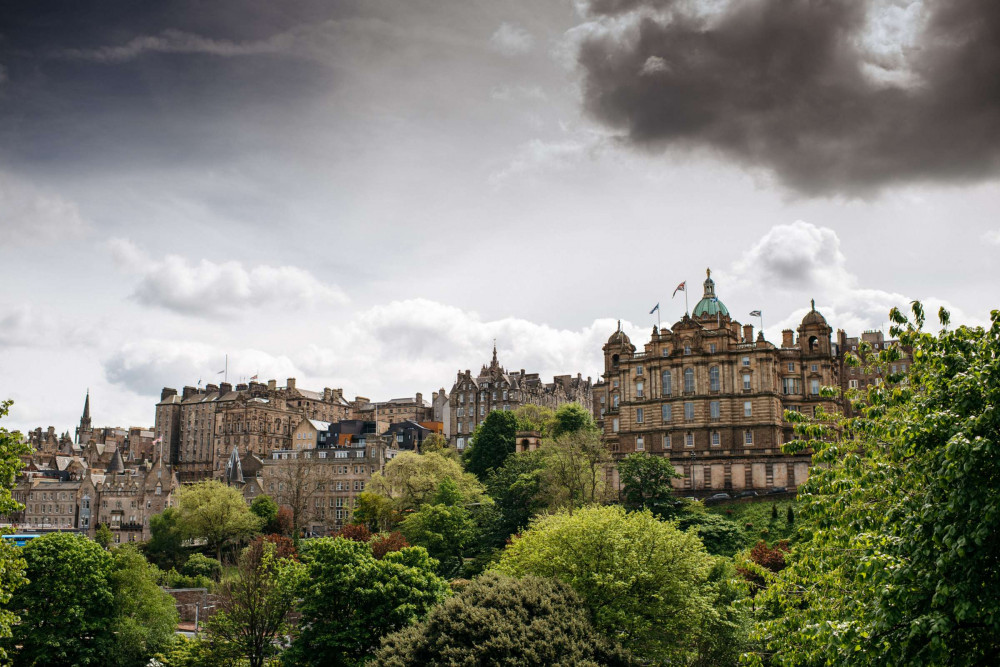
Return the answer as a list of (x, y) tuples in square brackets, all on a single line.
[(225, 388), (420, 398), (167, 393), (188, 391), (272, 384), (327, 394), (747, 333), (291, 383), (787, 338)]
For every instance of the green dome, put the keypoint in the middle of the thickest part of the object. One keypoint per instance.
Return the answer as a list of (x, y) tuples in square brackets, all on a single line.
[(709, 304)]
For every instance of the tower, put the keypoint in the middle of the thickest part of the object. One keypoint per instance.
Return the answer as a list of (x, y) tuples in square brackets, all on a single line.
[(84, 430)]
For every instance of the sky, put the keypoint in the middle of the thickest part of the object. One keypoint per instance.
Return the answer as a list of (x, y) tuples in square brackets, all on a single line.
[(366, 194)]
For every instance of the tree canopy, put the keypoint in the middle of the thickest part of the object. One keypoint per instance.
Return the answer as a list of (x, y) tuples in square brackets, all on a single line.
[(409, 480), (491, 443), (443, 526), (12, 448), (145, 616), (217, 513), (646, 481), (165, 547), (570, 418), (574, 469)]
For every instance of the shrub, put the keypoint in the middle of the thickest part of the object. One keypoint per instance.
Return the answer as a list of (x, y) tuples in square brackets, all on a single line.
[(199, 565)]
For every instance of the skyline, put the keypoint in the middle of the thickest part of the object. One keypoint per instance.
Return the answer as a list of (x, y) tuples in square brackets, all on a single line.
[(365, 195)]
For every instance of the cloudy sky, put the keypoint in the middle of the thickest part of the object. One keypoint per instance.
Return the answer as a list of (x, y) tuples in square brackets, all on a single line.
[(364, 194)]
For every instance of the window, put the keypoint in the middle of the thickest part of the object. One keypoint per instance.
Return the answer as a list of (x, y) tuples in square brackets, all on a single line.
[(711, 348), (614, 401), (639, 389), (665, 383), (638, 369), (666, 441), (638, 416), (853, 384), (689, 439), (814, 368), (460, 444), (746, 361), (747, 409), (603, 399), (716, 440), (614, 425), (482, 410), (746, 382), (505, 394), (814, 387), (459, 429), (494, 395), (713, 378), (748, 437), (714, 410), (790, 386), (666, 412), (687, 349), (688, 381), (791, 367), (665, 352), (688, 411), (640, 444)]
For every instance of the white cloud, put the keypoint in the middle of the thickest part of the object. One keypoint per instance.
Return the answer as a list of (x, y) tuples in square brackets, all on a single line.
[(654, 65), (992, 236), (538, 156), (511, 40), (31, 215), (208, 288), (175, 41)]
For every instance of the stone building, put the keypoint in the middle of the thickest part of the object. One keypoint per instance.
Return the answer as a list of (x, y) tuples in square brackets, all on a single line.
[(200, 426), (711, 396), (496, 388), (394, 410), (441, 411), (862, 377)]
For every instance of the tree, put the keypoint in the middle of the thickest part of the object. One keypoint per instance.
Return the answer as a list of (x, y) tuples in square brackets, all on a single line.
[(444, 528), (897, 561), (515, 488), (575, 469), (409, 480), (217, 513), (103, 536), (12, 448), (491, 443), (265, 507), (720, 536), (375, 512), (253, 607), (529, 621), (349, 600), (165, 547), (531, 417), (66, 608), (296, 481), (644, 581), (200, 565), (646, 481), (436, 443), (145, 617), (571, 418)]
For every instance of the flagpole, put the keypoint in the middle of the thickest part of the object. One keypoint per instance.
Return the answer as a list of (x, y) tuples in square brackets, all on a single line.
[(687, 311), (226, 376)]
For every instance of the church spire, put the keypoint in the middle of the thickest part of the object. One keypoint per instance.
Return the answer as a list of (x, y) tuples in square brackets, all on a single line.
[(84, 430), (86, 409)]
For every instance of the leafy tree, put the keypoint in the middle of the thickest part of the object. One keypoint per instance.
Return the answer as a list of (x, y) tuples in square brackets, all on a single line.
[(444, 528), (571, 418), (491, 443), (350, 599), (165, 547), (384, 543), (199, 565), (575, 469), (720, 536), (66, 608), (899, 560), (374, 511), (103, 536), (644, 581), (790, 515), (646, 482), (529, 621), (531, 417), (515, 488), (265, 507), (409, 480), (253, 607), (296, 481), (12, 448), (217, 513), (145, 617), (356, 532), (436, 443)]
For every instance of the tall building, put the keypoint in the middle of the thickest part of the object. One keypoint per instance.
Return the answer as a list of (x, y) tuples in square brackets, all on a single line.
[(394, 410), (496, 388), (710, 396)]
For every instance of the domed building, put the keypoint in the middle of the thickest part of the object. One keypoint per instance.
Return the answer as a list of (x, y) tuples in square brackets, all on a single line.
[(711, 395)]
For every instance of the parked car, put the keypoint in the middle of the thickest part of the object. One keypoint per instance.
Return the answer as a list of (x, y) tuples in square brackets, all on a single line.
[(718, 497), (778, 489), (747, 494)]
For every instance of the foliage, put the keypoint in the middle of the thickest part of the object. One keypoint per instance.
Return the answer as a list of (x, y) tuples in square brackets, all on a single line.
[(754, 519), (384, 543), (409, 480), (349, 599), (720, 536), (790, 515), (66, 606), (253, 607), (103, 536), (186, 652), (295, 482), (644, 581), (515, 488), (444, 528), (165, 547), (436, 443), (217, 513), (173, 579), (531, 417), (356, 532), (491, 443), (199, 565), (284, 547), (497, 620), (373, 511), (646, 481), (265, 507), (901, 514), (764, 558), (283, 523), (12, 448), (145, 617), (571, 418), (574, 469)]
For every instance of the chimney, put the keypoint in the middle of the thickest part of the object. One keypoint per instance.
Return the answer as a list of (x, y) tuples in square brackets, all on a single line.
[(188, 391), (272, 384), (434, 397), (211, 388), (51, 430), (291, 383), (167, 393), (420, 398), (225, 388), (327, 394), (747, 333), (241, 387), (787, 338)]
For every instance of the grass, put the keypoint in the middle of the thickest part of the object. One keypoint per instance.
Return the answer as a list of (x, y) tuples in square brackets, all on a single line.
[(756, 521)]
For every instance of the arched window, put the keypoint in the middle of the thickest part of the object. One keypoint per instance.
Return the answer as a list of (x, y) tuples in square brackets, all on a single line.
[(614, 360), (713, 378), (666, 383), (688, 381), (813, 343)]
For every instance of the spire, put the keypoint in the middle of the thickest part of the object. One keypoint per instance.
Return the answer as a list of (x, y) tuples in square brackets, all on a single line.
[(86, 408), (813, 303), (495, 363), (709, 285)]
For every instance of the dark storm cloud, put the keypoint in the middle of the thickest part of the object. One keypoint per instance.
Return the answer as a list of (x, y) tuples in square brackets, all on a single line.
[(789, 85)]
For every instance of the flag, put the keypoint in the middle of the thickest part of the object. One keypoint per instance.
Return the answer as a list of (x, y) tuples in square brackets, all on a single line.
[(655, 308), (680, 288), (221, 372), (254, 377), (754, 313)]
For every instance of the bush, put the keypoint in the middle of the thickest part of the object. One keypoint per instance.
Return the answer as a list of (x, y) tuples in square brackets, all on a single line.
[(720, 536), (199, 565)]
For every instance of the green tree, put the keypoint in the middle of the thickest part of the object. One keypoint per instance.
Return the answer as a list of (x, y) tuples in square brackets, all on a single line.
[(67, 607), (409, 480), (265, 507), (253, 606), (349, 599), (720, 536), (644, 581), (491, 443), (570, 418), (531, 417), (217, 513), (647, 482), (575, 469), (435, 443), (529, 621), (145, 617), (445, 528), (898, 565), (12, 448), (103, 536), (165, 547), (515, 488), (375, 512), (200, 565)]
